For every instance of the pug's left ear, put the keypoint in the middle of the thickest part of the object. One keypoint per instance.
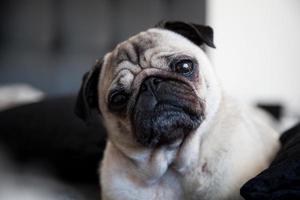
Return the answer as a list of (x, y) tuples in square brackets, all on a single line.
[(87, 100), (198, 34)]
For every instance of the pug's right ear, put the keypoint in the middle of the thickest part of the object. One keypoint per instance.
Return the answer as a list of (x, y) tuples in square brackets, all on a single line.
[(197, 33), (87, 100)]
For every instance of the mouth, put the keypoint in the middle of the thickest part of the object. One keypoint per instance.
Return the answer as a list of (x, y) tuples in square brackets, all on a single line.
[(166, 114)]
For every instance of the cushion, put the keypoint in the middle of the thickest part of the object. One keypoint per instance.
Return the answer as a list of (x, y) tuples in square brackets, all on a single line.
[(48, 133), (282, 179)]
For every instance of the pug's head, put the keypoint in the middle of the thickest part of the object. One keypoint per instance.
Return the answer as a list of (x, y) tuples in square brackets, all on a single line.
[(154, 88)]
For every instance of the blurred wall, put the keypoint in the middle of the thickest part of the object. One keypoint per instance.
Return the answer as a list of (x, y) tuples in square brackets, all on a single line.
[(51, 43), (258, 49)]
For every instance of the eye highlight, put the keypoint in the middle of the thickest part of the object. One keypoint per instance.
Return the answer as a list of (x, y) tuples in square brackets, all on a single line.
[(118, 100), (184, 67)]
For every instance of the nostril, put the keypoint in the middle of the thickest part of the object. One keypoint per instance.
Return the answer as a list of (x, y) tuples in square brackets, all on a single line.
[(156, 81), (151, 83), (143, 87)]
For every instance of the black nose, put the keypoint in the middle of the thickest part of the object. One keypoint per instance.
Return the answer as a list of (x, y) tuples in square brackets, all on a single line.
[(151, 84)]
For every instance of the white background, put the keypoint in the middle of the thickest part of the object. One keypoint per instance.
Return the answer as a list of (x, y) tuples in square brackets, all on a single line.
[(258, 49)]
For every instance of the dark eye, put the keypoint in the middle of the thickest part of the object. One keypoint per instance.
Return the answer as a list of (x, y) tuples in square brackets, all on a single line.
[(184, 67), (118, 100)]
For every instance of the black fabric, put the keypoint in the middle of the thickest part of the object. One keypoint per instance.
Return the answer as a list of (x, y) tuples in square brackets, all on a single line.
[(198, 34), (276, 110), (48, 133), (282, 179)]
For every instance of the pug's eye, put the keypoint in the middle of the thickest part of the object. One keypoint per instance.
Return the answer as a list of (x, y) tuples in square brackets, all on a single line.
[(184, 67), (118, 100)]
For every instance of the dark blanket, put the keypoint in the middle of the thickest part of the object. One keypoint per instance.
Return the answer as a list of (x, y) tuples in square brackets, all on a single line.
[(48, 133), (282, 179)]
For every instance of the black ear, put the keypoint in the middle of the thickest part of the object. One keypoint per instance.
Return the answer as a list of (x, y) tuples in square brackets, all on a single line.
[(198, 34), (87, 100)]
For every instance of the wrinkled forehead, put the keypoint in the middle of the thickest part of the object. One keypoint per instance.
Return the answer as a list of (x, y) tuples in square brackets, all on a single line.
[(154, 48), (135, 47), (154, 42)]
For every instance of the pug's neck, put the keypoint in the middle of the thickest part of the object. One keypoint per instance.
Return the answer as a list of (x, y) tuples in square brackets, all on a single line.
[(150, 164)]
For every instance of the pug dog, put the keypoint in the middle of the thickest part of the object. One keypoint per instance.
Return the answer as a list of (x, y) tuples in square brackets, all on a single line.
[(173, 133)]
